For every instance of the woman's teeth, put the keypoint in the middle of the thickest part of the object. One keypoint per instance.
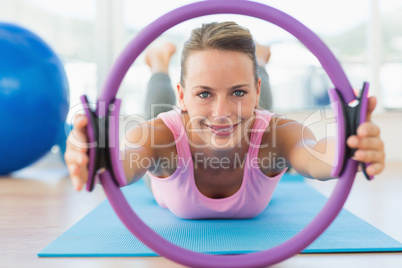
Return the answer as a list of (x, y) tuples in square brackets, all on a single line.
[(222, 129)]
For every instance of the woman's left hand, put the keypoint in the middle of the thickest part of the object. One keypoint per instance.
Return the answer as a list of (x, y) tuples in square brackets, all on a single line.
[(369, 145)]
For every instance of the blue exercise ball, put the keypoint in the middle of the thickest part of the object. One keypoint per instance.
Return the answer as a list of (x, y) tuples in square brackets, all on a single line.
[(34, 98)]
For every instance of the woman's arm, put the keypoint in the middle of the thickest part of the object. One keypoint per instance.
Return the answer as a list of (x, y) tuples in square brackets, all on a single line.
[(136, 152), (136, 145), (315, 159)]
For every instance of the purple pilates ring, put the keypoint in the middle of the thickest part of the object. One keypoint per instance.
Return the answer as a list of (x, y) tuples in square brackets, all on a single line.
[(112, 175)]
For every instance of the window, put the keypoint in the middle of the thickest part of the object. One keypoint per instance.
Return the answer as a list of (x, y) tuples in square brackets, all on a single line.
[(391, 53), (88, 35), (297, 79), (69, 28)]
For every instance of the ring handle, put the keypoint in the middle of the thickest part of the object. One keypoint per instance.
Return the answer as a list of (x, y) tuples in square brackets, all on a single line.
[(350, 116), (103, 141)]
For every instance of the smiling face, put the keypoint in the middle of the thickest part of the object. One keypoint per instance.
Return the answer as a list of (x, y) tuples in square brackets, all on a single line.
[(220, 95)]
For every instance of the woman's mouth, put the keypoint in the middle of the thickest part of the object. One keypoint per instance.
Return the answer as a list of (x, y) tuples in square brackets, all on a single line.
[(222, 130)]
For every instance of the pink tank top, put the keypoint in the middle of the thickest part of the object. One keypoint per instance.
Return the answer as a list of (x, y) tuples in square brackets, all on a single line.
[(180, 195)]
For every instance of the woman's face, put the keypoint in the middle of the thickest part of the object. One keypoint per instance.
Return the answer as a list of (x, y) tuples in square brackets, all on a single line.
[(220, 96)]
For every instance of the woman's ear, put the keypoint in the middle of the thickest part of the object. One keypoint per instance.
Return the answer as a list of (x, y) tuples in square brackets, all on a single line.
[(258, 92), (180, 94)]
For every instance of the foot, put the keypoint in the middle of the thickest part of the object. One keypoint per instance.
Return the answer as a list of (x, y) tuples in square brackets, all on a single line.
[(158, 58), (263, 54)]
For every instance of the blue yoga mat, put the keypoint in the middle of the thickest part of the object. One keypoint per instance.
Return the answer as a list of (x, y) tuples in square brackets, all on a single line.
[(294, 204)]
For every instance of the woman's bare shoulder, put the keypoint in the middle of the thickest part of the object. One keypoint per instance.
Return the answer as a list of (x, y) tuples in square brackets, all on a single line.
[(152, 134), (279, 129), (278, 120), (163, 134)]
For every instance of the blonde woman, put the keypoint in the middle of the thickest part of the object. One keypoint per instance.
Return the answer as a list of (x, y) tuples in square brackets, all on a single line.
[(222, 153)]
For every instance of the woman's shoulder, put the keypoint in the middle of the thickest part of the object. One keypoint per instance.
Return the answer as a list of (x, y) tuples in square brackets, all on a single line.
[(152, 133), (281, 121), (278, 128), (161, 133)]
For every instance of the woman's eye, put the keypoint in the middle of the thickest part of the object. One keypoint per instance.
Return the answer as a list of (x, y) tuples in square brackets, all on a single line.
[(203, 95), (239, 93)]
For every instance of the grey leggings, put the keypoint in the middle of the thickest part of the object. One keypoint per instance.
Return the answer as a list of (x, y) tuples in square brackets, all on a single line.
[(161, 96)]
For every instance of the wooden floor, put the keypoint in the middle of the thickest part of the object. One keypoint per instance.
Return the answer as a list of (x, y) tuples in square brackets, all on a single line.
[(38, 204)]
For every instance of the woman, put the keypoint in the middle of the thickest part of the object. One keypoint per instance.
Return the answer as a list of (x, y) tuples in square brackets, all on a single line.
[(220, 155)]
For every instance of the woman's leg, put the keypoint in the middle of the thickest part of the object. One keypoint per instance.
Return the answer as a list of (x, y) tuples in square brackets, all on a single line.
[(263, 54), (160, 96), (265, 101)]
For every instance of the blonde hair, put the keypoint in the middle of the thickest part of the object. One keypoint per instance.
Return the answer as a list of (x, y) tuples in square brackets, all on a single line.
[(222, 36)]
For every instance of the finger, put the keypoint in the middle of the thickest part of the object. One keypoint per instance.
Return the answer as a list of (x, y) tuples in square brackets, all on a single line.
[(367, 143), (77, 140), (72, 169), (78, 175), (80, 121), (78, 182), (368, 129), (369, 156), (375, 168), (372, 103), (80, 136), (81, 178), (83, 160), (76, 158)]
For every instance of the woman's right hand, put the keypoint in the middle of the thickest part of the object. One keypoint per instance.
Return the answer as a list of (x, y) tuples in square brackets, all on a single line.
[(76, 152)]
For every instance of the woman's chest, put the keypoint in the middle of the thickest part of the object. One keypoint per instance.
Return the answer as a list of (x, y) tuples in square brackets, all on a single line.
[(217, 184)]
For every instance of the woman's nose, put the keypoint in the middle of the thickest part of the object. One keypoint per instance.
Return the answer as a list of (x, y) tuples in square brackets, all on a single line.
[(222, 110)]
